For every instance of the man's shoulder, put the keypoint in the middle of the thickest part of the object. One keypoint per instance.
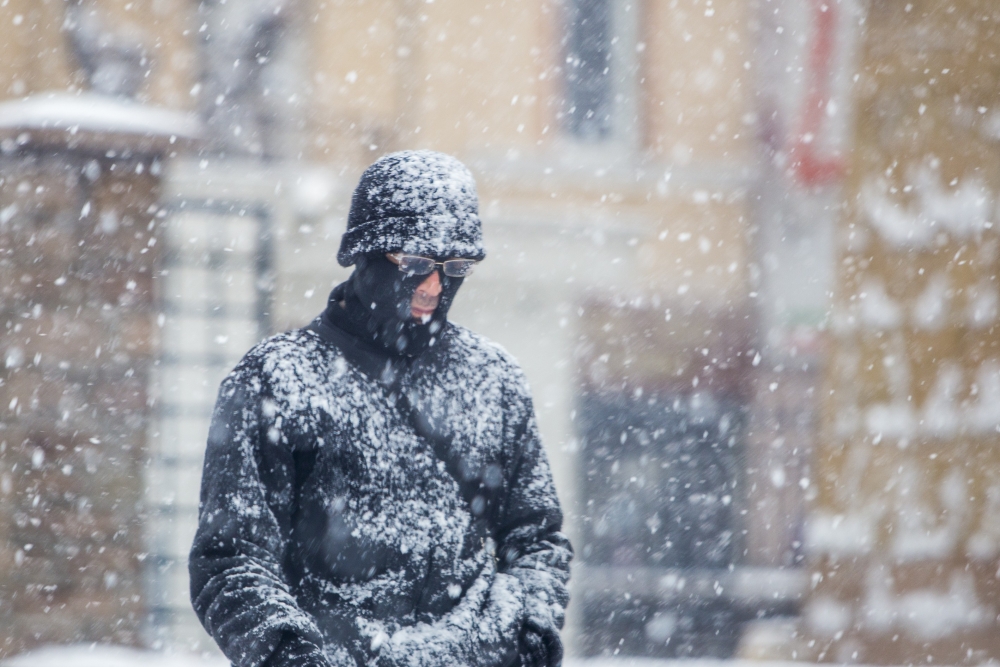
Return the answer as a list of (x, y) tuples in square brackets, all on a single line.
[(290, 353), (480, 352), (292, 344), (292, 367), (466, 341)]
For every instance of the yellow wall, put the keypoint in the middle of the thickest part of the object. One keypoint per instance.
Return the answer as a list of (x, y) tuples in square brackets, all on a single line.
[(697, 88), (927, 78)]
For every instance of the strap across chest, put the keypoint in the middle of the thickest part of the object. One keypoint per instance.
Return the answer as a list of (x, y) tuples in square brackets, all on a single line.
[(479, 495)]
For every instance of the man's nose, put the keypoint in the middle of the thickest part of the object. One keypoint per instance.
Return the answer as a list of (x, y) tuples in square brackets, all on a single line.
[(431, 285)]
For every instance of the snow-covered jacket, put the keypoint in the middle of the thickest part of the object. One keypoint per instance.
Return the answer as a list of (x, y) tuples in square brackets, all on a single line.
[(352, 517)]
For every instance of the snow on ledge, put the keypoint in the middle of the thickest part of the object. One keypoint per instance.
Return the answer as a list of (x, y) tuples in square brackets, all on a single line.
[(90, 112)]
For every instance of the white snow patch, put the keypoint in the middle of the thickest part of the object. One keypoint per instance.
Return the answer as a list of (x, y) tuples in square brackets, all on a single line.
[(983, 414), (827, 617), (941, 417), (922, 531), (96, 113), (103, 655), (930, 307), (953, 406), (878, 310), (925, 614), (984, 544), (840, 534), (984, 305), (962, 212), (891, 420)]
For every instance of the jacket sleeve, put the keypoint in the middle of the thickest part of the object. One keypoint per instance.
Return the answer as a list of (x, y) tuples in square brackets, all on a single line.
[(238, 587), (531, 546)]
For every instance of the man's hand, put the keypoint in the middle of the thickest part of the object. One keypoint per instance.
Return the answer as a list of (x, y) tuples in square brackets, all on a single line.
[(481, 630), (293, 651), (540, 647)]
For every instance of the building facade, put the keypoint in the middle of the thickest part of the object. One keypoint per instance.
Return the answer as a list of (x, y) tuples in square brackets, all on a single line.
[(662, 187), (901, 534)]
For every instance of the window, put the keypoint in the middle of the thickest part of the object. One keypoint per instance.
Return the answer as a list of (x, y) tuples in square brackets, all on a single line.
[(589, 87)]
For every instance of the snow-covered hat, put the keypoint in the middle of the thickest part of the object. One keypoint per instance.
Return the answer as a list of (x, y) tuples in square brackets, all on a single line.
[(417, 202)]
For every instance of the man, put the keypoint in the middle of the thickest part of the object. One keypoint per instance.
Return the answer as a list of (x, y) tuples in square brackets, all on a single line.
[(374, 490)]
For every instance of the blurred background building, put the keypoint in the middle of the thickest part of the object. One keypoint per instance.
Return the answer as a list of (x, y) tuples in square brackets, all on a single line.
[(742, 248)]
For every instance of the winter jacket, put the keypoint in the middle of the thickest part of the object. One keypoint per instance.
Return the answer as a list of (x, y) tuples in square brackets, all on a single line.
[(361, 513)]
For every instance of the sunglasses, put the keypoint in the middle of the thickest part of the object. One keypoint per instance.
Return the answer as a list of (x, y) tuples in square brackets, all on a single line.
[(415, 265)]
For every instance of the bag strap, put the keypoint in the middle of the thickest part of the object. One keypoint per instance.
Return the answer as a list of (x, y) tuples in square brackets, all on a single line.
[(471, 483)]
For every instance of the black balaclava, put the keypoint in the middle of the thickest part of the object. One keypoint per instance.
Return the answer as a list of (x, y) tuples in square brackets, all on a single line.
[(374, 306)]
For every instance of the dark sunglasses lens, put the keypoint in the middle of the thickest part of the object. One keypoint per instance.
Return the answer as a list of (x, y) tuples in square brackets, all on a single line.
[(414, 265), (459, 268)]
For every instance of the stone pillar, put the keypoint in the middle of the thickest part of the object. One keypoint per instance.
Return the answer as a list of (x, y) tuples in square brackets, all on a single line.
[(904, 535), (78, 252)]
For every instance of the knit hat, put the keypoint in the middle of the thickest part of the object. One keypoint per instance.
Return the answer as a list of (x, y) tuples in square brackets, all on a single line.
[(417, 202)]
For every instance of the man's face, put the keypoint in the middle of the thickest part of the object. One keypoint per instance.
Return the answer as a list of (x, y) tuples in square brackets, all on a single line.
[(426, 297)]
